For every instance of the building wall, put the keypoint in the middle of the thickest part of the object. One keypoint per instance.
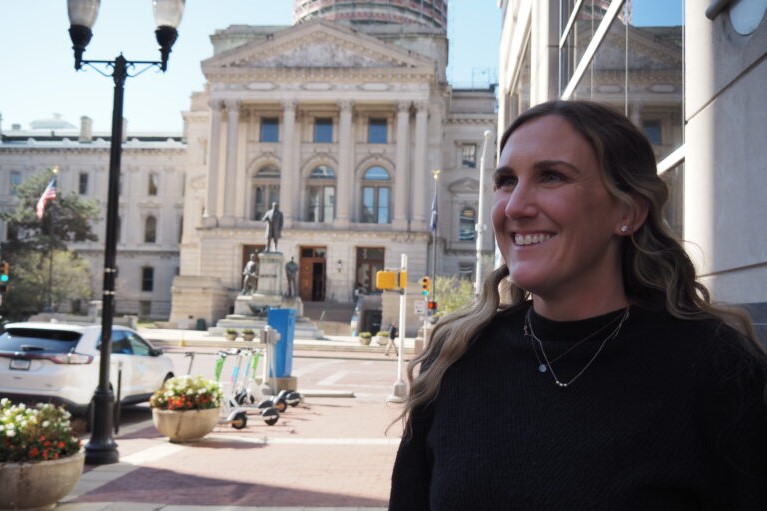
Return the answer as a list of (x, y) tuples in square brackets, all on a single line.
[(725, 132), (31, 152), (691, 90)]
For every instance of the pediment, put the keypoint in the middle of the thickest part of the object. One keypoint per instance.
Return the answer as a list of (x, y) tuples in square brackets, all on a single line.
[(313, 45), (465, 185)]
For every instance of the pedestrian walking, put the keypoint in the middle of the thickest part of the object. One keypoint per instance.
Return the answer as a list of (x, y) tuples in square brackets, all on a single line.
[(392, 344), (594, 371)]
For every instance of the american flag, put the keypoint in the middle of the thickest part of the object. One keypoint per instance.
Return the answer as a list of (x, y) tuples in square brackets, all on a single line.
[(49, 194)]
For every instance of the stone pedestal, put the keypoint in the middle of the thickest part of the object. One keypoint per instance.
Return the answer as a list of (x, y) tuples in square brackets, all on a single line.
[(270, 273)]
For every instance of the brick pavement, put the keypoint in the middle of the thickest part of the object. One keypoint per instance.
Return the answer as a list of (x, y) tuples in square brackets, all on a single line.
[(327, 453)]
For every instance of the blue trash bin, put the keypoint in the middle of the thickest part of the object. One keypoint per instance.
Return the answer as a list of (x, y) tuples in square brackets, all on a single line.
[(284, 321)]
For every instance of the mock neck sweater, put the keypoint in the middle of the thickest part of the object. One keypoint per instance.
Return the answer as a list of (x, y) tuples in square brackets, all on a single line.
[(669, 415)]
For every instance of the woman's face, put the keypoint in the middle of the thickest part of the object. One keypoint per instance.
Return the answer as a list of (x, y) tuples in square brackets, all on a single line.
[(555, 223)]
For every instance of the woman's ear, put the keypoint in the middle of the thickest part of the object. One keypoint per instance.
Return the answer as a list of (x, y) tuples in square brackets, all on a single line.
[(634, 216)]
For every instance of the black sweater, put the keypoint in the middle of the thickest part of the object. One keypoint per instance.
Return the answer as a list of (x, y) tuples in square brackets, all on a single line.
[(670, 415)]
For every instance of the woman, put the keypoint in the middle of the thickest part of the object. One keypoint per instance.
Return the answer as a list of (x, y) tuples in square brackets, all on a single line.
[(600, 376)]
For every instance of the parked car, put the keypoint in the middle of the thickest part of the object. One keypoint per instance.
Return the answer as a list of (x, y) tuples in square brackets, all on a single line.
[(59, 363)]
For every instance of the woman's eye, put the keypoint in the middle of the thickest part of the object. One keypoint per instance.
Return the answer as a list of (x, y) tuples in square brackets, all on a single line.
[(505, 181), (551, 176)]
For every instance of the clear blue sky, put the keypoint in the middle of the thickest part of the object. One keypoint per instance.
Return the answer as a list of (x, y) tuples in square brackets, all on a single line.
[(38, 76)]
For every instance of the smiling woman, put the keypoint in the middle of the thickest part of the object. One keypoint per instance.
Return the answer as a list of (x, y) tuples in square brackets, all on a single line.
[(613, 381)]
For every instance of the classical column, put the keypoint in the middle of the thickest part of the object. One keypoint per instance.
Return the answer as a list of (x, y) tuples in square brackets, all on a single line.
[(402, 176), (345, 177), (289, 178), (230, 173), (214, 146), (420, 173)]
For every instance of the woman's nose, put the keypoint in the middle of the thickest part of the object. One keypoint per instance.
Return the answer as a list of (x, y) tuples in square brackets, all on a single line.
[(520, 202)]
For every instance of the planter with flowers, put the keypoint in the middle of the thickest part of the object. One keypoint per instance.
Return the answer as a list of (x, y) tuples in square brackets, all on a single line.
[(248, 334), (231, 334), (364, 338), (186, 408), (40, 458), (382, 338)]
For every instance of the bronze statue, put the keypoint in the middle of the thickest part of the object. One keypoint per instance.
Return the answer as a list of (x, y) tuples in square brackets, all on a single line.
[(273, 219), (250, 276), (291, 271)]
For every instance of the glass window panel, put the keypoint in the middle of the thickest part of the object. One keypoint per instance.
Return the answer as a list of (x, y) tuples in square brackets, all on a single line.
[(150, 229), (469, 155), (322, 172), (323, 130), (82, 185), (152, 184), (329, 203), (147, 278), (377, 131), (673, 213), (383, 205), (368, 204), (270, 128), (376, 173), (15, 181), (466, 224)]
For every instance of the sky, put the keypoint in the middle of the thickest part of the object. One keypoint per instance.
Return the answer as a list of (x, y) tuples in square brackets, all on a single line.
[(38, 77)]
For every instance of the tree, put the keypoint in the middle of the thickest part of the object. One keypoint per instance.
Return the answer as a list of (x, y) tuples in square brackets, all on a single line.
[(42, 266), (68, 218), (37, 278), (453, 293)]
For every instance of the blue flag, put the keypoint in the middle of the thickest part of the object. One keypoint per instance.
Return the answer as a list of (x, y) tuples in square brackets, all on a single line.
[(433, 222)]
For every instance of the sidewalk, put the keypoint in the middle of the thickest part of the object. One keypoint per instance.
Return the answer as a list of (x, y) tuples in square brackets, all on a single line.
[(327, 453)]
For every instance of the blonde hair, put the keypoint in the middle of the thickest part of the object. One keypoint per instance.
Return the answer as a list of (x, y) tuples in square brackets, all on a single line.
[(657, 272)]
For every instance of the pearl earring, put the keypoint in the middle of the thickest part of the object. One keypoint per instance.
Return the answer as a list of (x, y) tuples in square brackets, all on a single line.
[(625, 228)]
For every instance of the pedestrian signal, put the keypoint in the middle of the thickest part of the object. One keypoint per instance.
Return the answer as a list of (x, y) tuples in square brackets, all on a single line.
[(4, 276), (425, 285), (431, 305)]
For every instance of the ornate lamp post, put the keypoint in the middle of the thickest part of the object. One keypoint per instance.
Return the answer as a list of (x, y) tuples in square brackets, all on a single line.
[(102, 449)]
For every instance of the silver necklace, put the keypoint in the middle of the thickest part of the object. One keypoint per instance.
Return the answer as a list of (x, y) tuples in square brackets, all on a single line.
[(546, 364)]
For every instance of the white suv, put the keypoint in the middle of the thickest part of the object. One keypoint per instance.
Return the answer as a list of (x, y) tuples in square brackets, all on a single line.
[(59, 363)]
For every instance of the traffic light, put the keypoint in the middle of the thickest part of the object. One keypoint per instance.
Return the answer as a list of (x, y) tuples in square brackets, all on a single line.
[(4, 276), (425, 286), (431, 305)]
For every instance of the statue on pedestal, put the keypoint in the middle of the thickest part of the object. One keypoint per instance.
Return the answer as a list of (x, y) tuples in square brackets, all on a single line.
[(273, 219), (250, 276), (291, 272)]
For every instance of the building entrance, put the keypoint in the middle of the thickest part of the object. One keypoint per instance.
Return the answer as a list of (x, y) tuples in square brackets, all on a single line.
[(311, 274)]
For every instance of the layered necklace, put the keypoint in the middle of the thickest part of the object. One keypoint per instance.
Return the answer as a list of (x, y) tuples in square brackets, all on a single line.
[(546, 364)]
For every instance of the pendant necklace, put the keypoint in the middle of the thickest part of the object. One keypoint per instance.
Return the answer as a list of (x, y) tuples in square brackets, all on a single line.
[(546, 364)]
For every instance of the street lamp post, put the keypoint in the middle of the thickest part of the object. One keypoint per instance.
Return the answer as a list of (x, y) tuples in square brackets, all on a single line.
[(102, 449), (480, 227)]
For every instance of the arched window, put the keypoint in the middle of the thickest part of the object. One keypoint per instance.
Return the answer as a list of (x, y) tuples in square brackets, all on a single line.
[(376, 196), (466, 224), (321, 195), (150, 229), (266, 189)]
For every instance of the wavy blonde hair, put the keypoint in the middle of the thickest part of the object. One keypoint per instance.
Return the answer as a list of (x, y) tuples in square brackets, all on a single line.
[(657, 272)]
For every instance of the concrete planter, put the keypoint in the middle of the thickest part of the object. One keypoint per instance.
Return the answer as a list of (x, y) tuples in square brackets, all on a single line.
[(181, 426), (381, 340), (39, 485)]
